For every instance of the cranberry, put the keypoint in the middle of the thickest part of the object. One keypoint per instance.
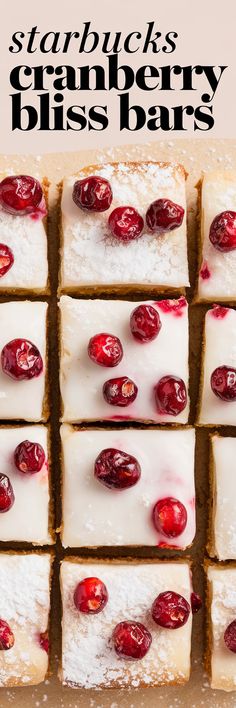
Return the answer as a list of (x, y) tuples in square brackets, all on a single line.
[(222, 233), (7, 496), (90, 596), (120, 392), (29, 457), (171, 395), (105, 349), (116, 469), (21, 359), (6, 259), (126, 223), (230, 636), (223, 383), (145, 323), (44, 641), (92, 193), (20, 194), (170, 517), (196, 602), (7, 639), (131, 640), (164, 215), (170, 610)]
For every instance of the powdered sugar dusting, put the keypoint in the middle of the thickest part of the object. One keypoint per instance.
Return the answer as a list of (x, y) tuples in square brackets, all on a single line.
[(88, 657), (224, 453), (24, 603), (159, 260), (28, 241)]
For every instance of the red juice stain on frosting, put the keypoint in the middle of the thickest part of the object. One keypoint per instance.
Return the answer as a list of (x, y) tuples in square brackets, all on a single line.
[(163, 544), (40, 212), (119, 417), (175, 307), (219, 312), (204, 272)]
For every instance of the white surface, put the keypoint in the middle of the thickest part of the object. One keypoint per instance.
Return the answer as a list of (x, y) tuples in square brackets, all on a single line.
[(82, 380), (223, 611), (28, 518), (23, 399), (224, 526), (218, 194), (220, 349), (88, 659), (91, 256), (24, 604), (28, 241), (94, 515)]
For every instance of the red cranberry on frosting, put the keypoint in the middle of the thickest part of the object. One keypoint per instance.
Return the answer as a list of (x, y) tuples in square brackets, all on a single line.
[(222, 233), (21, 359), (170, 517), (105, 349), (230, 636), (117, 469), (164, 215), (20, 194), (6, 259), (145, 323), (7, 496), (7, 639), (120, 391), (29, 457), (92, 193), (131, 640), (125, 223), (223, 383), (170, 395), (90, 596), (170, 610)]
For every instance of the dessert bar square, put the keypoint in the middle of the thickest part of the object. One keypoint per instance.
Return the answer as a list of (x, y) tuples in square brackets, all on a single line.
[(165, 459), (25, 469), (218, 389), (130, 393), (25, 267), (220, 659), (218, 244), (223, 521), (24, 606), (89, 659), (92, 257), (23, 360)]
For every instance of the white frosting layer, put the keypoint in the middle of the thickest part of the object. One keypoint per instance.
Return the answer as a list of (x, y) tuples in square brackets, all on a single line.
[(94, 515), (28, 518), (223, 611), (218, 194), (82, 380), (91, 256), (88, 658), (23, 399), (24, 604), (220, 349), (224, 522), (28, 241)]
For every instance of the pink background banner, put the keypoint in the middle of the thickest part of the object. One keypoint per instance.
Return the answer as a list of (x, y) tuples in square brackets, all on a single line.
[(63, 103)]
